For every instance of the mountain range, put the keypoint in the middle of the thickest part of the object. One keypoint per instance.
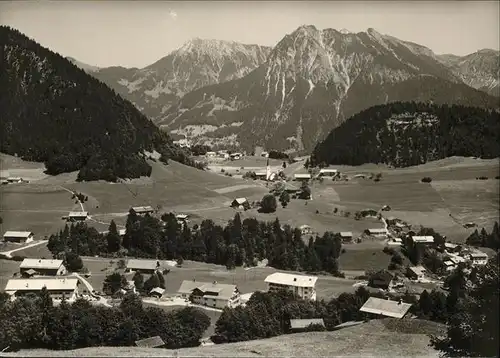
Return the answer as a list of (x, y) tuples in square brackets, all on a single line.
[(292, 95), (54, 112)]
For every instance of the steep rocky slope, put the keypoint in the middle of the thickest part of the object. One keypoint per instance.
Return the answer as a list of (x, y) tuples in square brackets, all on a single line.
[(54, 112), (197, 63), (312, 81), (480, 70)]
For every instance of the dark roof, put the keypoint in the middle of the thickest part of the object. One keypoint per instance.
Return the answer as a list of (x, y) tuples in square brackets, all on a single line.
[(151, 342)]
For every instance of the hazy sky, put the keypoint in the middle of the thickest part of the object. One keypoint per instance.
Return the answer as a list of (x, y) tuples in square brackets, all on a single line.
[(137, 33)]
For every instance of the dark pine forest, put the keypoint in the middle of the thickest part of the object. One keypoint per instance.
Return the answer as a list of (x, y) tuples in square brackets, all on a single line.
[(407, 133), (53, 112)]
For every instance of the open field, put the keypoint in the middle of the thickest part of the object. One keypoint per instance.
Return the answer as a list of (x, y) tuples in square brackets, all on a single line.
[(375, 339)]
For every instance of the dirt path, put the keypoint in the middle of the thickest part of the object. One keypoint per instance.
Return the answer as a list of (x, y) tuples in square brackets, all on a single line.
[(9, 253)]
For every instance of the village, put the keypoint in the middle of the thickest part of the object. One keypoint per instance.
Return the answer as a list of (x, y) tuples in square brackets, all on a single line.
[(175, 289)]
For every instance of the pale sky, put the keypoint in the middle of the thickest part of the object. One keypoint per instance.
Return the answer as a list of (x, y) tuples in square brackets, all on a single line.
[(138, 33)]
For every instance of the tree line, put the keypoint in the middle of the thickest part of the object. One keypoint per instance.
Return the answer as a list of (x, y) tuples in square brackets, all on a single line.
[(35, 322), (485, 239), (238, 243), (408, 133), (54, 112)]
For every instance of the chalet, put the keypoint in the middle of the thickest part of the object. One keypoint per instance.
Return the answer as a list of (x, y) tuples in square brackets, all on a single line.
[(240, 203), (210, 294), (425, 240), (261, 175), (381, 279), (396, 241), (300, 325), (142, 210), (182, 218), (20, 237), (328, 172), (302, 177), (452, 247), (77, 216), (210, 154), (386, 208), (377, 232), (385, 307), (43, 267), (157, 292), (457, 259), (478, 258), (58, 288), (264, 154), (301, 285), (143, 266), (415, 272), (346, 236)]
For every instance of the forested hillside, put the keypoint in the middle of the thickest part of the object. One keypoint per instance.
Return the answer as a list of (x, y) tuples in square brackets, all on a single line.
[(54, 112), (408, 133)]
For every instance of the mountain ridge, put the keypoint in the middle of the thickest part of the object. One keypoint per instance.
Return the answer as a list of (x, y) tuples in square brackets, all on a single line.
[(312, 81)]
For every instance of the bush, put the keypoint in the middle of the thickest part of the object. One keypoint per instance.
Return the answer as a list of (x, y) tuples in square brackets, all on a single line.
[(497, 177), (388, 250), (268, 204), (426, 180), (18, 258)]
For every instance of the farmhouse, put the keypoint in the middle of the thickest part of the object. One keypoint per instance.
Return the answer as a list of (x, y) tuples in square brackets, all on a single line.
[(452, 247), (210, 294), (422, 239), (129, 288), (78, 215), (327, 172), (478, 258), (346, 236), (240, 203), (142, 210), (301, 285), (261, 175), (387, 308), (302, 177), (58, 288), (381, 279), (42, 267), (396, 241), (297, 325), (210, 154), (143, 266), (20, 237), (377, 232), (416, 272)]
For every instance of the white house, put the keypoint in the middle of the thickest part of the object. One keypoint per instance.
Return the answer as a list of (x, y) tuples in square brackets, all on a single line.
[(20, 237), (142, 210), (478, 258), (301, 285), (305, 229), (42, 267), (56, 287), (327, 172), (143, 266), (240, 203), (416, 272), (300, 177), (213, 294), (346, 235), (78, 215), (378, 232), (422, 239)]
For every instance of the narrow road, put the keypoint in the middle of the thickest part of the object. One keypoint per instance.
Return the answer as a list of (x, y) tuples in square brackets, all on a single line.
[(9, 253), (87, 284)]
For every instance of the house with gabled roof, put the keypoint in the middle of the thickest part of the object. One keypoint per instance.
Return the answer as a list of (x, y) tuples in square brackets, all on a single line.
[(20, 237), (42, 267), (217, 295)]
